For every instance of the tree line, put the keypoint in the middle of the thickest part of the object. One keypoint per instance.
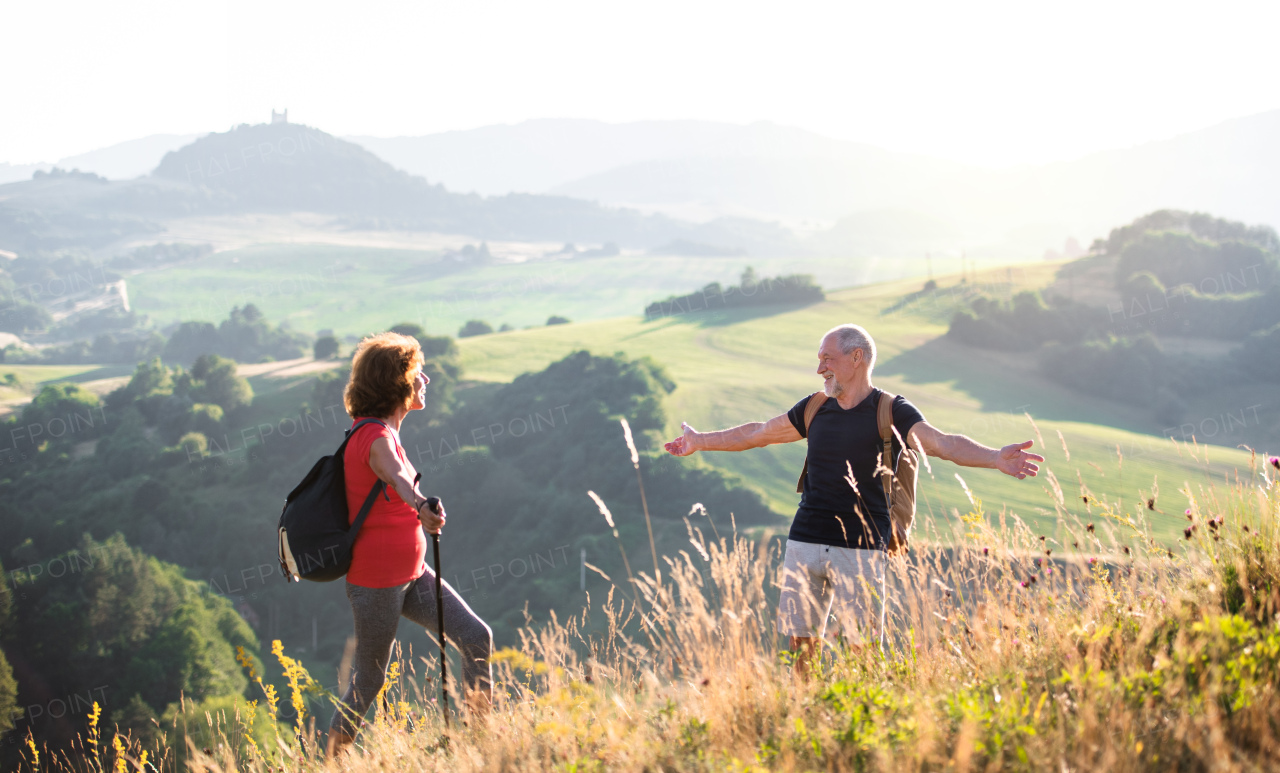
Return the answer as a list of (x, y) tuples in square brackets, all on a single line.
[(1171, 273), (751, 291)]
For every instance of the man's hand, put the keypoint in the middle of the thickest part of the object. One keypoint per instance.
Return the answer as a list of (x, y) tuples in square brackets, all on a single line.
[(1014, 460), (683, 445)]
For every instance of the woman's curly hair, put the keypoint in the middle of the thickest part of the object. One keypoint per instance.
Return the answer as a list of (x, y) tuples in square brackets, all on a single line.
[(381, 380)]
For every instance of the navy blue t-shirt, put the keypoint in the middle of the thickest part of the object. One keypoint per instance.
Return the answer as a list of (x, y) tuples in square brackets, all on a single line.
[(830, 512)]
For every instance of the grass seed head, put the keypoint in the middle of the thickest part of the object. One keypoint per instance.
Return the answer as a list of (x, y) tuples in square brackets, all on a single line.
[(608, 516), (631, 444)]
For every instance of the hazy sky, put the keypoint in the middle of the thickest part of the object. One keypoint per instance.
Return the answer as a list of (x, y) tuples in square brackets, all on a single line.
[(989, 82)]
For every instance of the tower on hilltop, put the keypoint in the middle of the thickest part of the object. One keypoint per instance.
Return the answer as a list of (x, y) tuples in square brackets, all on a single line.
[(279, 117)]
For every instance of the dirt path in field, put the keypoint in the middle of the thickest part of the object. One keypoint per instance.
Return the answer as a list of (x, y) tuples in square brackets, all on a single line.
[(287, 368), (704, 341)]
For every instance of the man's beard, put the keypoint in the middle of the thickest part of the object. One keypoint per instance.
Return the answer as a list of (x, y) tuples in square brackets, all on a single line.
[(831, 387)]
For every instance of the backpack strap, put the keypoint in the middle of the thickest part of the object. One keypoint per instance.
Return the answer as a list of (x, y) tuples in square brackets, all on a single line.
[(378, 488), (363, 422), (816, 400), (352, 432), (884, 420)]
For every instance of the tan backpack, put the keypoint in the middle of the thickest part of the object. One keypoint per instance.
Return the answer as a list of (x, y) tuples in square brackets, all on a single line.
[(899, 483)]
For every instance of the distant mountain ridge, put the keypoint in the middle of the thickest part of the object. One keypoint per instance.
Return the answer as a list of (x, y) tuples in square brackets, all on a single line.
[(551, 155), (296, 168), (773, 171), (122, 161), (538, 180)]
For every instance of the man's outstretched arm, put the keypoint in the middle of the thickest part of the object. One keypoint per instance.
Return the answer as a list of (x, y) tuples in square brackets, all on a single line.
[(779, 429), (1012, 460)]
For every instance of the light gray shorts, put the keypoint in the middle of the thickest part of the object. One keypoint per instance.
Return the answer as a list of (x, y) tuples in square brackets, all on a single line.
[(825, 586)]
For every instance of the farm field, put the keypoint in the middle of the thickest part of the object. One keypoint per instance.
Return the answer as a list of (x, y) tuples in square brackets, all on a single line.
[(19, 382), (352, 290), (744, 366)]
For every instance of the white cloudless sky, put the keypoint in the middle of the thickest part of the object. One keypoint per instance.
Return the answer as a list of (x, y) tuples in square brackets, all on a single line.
[(988, 82)]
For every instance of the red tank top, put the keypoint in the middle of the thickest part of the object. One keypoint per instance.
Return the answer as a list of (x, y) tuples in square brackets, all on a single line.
[(391, 548)]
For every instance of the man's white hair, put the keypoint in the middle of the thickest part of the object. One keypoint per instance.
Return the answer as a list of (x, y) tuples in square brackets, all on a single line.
[(850, 337)]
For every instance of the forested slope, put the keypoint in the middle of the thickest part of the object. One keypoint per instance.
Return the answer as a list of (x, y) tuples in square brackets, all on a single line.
[(190, 467)]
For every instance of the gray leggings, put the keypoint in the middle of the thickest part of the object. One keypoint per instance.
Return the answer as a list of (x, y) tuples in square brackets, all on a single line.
[(377, 612)]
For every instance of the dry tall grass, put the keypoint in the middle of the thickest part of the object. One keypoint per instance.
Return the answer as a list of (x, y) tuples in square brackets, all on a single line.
[(1094, 648)]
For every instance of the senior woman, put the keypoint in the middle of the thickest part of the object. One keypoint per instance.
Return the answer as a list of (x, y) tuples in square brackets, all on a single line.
[(389, 577)]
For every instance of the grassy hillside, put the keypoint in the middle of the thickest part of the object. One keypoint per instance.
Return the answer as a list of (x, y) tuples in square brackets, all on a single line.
[(751, 365), (353, 290), (681, 697), (994, 658)]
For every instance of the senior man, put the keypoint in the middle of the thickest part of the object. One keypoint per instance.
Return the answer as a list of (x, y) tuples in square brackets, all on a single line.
[(835, 553)]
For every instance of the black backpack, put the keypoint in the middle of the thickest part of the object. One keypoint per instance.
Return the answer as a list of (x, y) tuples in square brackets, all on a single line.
[(315, 538)]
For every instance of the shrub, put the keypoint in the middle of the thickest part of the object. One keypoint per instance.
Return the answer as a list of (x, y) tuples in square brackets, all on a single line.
[(214, 380), (411, 329), (476, 327), (326, 348)]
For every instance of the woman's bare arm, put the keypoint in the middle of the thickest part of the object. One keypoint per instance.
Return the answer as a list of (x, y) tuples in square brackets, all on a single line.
[(390, 469)]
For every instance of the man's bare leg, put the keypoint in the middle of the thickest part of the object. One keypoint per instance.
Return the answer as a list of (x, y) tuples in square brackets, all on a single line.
[(480, 703)]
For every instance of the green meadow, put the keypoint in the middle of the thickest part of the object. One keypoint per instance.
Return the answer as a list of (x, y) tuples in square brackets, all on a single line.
[(730, 366), (353, 290), (745, 366)]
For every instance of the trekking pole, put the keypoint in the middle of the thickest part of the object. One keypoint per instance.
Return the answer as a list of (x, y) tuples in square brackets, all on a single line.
[(433, 503)]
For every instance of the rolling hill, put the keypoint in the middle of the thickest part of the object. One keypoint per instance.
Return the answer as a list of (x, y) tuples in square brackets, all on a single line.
[(747, 366)]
